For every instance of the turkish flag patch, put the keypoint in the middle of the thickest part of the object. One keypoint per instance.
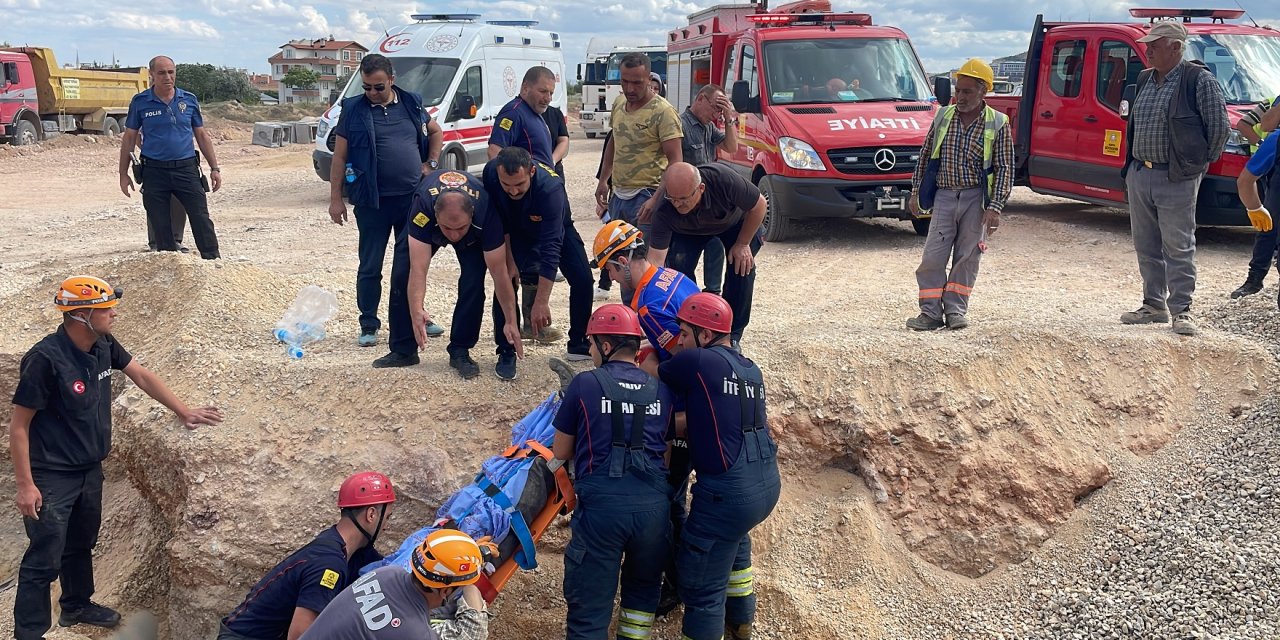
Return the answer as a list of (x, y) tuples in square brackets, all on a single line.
[(78, 386)]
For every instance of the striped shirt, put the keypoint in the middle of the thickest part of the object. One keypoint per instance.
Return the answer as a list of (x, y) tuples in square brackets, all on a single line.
[(1150, 117), (960, 159)]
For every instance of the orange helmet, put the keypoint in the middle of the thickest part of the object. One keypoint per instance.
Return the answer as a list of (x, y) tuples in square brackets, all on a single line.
[(447, 558), (86, 292), (614, 319), (613, 237)]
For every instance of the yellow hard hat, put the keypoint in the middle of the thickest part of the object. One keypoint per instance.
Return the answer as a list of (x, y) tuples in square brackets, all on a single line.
[(978, 69)]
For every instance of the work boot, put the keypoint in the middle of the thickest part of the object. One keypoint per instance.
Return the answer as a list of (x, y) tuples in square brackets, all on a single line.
[(92, 614), (1146, 314), (1185, 325), (737, 631), (1251, 286), (466, 367), (956, 321), (925, 322), (395, 359)]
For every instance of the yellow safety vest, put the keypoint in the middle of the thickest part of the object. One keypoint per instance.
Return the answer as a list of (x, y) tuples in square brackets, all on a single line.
[(993, 122)]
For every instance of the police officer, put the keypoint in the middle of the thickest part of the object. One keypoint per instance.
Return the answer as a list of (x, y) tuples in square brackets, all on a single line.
[(520, 122), (167, 117), (59, 435), (451, 208), (621, 523), (737, 468), (286, 601), (532, 202)]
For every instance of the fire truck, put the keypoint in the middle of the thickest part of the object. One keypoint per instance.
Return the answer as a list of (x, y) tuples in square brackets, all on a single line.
[(834, 109)]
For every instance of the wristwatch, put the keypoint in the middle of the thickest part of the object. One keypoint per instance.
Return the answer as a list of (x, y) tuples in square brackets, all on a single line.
[(214, 170), (433, 164), (733, 122)]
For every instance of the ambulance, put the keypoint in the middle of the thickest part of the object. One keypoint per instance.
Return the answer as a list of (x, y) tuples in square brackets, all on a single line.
[(465, 69)]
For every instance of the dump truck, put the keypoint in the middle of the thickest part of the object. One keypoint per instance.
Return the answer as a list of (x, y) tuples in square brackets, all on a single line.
[(39, 99)]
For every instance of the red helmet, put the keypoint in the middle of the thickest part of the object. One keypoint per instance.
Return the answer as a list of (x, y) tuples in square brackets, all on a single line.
[(708, 311), (364, 489), (614, 319)]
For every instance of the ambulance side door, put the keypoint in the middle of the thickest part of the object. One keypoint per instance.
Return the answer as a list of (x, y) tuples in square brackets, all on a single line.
[(470, 112)]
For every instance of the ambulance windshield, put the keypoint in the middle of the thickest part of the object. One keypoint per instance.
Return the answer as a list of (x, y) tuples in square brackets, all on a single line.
[(1247, 66), (427, 77), (843, 70)]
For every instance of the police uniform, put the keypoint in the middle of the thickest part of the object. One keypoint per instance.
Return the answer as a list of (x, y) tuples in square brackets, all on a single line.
[(544, 240), (737, 488), (518, 125), (486, 234), (619, 417), (171, 167), (309, 578), (70, 435)]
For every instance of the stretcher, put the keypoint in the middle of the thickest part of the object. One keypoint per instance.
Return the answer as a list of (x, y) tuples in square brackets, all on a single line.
[(513, 499)]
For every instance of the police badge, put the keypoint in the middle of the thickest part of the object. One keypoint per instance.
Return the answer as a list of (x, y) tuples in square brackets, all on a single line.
[(182, 107)]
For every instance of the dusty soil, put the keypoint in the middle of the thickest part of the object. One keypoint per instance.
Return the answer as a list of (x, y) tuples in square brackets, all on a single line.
[(916, 465)]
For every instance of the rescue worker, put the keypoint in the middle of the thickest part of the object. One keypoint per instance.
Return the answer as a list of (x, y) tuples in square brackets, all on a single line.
[(709, 123), (388, 141), (167, 117), (1262, 166), (451, 208), (1177, 126), (391, 603), (520, 123), (286, 601), (971, 190), (621, 525), (59, 434), (737, 468), (706, 202), (1256, 125), (531, 200)]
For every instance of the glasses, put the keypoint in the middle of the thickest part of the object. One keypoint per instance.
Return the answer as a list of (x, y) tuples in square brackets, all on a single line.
[(375, 87), (680, 199)]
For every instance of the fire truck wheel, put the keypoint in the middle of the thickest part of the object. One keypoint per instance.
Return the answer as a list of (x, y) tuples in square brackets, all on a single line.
[(25, 134), (776, 225)]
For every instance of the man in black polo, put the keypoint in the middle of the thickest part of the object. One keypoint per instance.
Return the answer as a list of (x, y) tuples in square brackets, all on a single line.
[(451, 208), (701, 203), (59, 435), (167, 117)]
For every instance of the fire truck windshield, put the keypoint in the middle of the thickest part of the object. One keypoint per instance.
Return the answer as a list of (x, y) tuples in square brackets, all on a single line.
[(843, 70), (427, 77), (1247, 66)]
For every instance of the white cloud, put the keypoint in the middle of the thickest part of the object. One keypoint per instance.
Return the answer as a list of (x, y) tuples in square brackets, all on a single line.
[(169, 25)]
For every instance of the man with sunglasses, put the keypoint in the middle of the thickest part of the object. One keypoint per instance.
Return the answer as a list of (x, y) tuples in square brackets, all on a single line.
[(386, 141), (703, 203)]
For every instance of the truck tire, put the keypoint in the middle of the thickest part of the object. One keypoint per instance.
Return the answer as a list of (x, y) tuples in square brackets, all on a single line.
[(111, 127), (591, 135), (453, 160), (921, 225), (776, 225), (25, 133)]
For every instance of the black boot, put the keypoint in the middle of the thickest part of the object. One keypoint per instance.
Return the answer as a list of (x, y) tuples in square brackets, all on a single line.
[(1252, 285), (92, 614)]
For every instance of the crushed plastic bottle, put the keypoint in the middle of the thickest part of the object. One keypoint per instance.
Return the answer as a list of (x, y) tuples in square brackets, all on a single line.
[(303, 322)]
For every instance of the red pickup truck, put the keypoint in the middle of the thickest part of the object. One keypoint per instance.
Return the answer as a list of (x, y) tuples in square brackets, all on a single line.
[(1069, 123)]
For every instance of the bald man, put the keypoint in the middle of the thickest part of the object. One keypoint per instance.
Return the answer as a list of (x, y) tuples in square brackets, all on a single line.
[(700, 204)]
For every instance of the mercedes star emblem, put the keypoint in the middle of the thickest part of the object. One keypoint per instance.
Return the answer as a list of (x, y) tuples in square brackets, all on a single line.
[(885, 159)]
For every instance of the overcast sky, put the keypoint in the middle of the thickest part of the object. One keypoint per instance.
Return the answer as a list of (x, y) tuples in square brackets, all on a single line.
[(244, 33)]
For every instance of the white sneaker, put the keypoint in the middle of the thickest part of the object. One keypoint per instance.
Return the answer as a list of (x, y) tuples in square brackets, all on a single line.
[(601, 294)]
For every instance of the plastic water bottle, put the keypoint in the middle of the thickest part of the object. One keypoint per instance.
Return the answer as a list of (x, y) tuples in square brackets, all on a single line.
[(303, 323), (351, 174)]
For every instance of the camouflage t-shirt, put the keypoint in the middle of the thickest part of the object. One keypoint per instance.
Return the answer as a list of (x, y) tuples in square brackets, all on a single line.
[(638, 161)]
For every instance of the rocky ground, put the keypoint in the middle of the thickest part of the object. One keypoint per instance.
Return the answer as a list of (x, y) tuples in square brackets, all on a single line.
[(1046, 473)]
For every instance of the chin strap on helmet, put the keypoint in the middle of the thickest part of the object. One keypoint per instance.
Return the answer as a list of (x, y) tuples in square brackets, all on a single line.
[(88, 322), (382, 516)]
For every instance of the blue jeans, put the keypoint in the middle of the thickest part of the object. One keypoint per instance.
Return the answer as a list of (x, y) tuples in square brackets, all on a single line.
[(621, 528), (683, 256), (376, 225), (629, 210), (713, 266), (715, 545)]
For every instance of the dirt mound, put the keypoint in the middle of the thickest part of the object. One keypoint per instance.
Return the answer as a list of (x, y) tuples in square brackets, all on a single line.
[(239, 112)]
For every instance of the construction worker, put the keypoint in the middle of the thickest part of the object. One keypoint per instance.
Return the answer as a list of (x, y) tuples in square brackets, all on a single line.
[(452, 208), (391, 603), (167, 119), (533, 205), (59, 434), (1262, 166), (735, 458), (286, 601), (965, 192), (622, 521), (1256, 126)]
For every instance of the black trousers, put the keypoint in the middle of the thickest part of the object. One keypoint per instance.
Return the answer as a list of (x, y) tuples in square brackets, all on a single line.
[(464, 331), (177, 219), (376, 226), (183, 183), (683, 256), (577, 274), (61, 548)]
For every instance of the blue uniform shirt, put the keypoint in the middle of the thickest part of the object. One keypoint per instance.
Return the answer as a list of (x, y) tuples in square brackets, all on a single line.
[(701, 378), (535, 221), (486, 226), (580, 416), (1262, 162), (657, 301), (308, 578), (518, 125), (167, 129)]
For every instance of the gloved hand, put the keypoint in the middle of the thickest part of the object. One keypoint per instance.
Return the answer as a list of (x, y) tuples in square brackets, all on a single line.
[(1260, 218)]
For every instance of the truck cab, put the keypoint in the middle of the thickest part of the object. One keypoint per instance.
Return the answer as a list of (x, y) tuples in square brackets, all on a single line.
[(598, 99), (833, 109), (19, 113), (1069, 122)]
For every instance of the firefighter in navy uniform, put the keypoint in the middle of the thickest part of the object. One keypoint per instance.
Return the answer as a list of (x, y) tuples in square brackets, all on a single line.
[(622, 522), (167, 118), (286, 602), (59, 435), (451, 208), (736, 462)]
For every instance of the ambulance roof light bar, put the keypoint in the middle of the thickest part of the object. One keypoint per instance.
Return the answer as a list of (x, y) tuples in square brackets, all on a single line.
[(445, 17), (1216, 15), (779, 19)]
